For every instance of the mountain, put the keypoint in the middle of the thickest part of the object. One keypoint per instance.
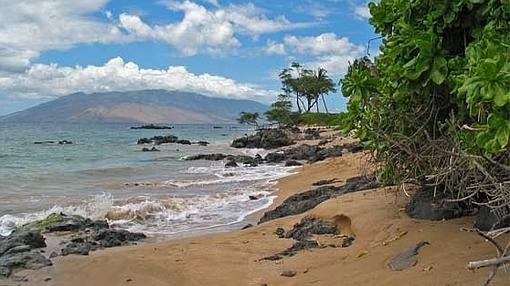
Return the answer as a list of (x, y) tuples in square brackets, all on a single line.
[(146, 106)]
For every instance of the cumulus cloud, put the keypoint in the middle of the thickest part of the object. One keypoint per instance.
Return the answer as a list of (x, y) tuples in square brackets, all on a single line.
[(362, 12), (328, 50), (274, 48), (199, 30), (212, 31), (327, 43), (42, 80), (30, 27)]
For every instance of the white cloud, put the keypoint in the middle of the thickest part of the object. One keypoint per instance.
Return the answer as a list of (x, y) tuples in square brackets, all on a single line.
[(328, 50), (199, 30), (274, 48), (327, 43), (362, 12), (42, 80), (252, 20), (211, 31), (30, 27)]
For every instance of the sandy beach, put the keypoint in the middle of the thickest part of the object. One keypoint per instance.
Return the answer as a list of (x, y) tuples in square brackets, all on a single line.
[(381, 228)]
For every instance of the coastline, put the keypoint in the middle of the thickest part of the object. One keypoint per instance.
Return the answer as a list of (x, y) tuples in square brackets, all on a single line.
[(234, 257)]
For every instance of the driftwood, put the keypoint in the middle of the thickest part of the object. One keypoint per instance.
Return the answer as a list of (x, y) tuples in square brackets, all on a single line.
[(488, 262), (502, 255)]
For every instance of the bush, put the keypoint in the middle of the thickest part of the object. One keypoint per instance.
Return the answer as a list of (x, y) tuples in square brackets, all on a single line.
[(434, 107)]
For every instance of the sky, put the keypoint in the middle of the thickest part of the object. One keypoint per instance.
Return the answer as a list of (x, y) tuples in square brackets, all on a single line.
[(220, 48)]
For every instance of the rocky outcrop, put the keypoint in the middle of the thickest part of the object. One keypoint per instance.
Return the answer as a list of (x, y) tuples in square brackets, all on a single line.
[(266, 139), (80, 236), (309, 226), (152, 126), (116, 237), (302, 202), (61, 222), (19, 250), (153, 149), (311, 134), (486, 220), (310, 153), (158, 140), (298, 203), (429, 205), (241, 159)]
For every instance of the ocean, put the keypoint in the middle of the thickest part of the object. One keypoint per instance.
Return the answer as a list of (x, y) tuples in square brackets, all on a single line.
[(105, 175)]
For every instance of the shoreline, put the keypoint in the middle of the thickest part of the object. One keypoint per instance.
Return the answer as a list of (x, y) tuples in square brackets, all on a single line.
[(234, 257)]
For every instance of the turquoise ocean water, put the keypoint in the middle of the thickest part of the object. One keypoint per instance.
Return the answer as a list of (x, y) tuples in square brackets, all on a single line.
[(104, 174)]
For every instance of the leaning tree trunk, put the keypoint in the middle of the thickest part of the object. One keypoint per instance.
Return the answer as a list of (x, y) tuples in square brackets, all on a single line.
[(324, 102)]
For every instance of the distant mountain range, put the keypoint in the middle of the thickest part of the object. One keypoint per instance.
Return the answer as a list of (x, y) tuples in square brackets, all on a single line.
[(146, 106)]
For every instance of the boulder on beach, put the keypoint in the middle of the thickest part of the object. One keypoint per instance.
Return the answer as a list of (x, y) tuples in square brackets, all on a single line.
[(19, 250), (266, 139), (430, 205)]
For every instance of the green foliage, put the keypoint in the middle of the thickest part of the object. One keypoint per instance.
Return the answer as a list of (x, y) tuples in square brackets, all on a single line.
[(249, 118), (281, 112), (306, 86), (443, 71)]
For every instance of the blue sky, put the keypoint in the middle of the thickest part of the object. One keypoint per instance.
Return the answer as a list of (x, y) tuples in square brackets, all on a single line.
[(235, 49)]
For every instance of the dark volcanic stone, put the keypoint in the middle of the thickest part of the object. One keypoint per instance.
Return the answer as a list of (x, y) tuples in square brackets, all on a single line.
[(294, 249), (209, 157), (486, 220), (280, 232), (347, 241), (4, 271), (113, 237), (355, 147), (153, 149), (202, 143), (247, 226), (312, 134), (298, 203), (78, 248), (424, 205), (27, 260), (183, 142), (231, 164), (324, 182), (32, 239), (158, 140), (43, 142), (407, 258), (309, 226), (276, 157), (292, 163), (65, 142), (300, 246), (152, 126), (302, 202), (265, 138)]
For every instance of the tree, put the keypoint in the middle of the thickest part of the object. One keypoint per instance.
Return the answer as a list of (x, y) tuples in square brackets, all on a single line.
[(249, 118), (306, 86), (281, 111)]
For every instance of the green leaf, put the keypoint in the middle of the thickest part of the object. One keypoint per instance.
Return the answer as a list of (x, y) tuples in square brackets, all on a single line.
[(501, 96)]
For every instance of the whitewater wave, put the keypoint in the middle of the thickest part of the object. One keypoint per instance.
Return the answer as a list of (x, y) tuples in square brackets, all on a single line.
[(218, 174)]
